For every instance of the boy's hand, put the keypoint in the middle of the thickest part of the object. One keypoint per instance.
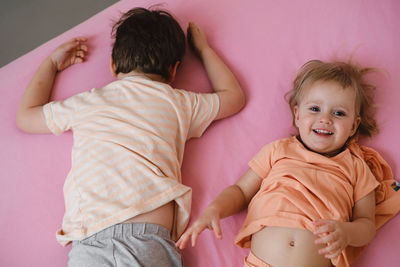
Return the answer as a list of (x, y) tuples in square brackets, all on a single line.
[(70, 52), (333, 234), (209, 219), (197, 38), (223, 82)]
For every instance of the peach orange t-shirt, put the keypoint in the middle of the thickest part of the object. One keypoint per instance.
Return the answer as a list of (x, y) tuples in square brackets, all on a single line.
[(301, 186)]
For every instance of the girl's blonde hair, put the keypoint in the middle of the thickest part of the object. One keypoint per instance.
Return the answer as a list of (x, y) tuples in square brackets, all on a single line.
[(348, 75)]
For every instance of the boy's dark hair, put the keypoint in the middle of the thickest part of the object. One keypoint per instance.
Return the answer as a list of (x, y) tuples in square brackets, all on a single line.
[(149, 41)]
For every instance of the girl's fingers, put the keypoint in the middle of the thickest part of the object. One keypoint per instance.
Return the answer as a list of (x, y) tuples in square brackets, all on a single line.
[(183, 240), (195, 235), (329, 249), (329, 238), (334, 255), (217, 229), (323, 226), (181, 244), (194, 232)]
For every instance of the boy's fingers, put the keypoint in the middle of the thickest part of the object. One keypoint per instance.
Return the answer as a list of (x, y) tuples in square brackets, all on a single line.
[(80, 54), (191, 25), (68, 46), (75, 43), (83, 47), (77, 60), (79, 39)]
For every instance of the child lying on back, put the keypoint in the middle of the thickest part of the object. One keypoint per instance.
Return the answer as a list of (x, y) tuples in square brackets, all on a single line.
[(309, 196)]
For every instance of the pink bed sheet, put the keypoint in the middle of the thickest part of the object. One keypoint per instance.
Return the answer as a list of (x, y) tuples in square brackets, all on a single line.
[(264, 42)]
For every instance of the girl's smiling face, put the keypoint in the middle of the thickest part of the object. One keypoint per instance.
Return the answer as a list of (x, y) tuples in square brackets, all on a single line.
[(326, 117)]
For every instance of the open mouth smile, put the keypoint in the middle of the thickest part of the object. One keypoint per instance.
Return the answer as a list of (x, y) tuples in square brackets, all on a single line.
[(322, 132)]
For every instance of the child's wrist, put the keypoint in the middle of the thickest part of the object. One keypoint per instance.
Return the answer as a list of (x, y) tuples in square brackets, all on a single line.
[(204, 50), (212, 208), (50, 61)]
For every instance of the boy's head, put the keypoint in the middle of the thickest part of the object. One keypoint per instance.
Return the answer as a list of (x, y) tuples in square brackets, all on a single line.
[(347, 77), (148, 41)]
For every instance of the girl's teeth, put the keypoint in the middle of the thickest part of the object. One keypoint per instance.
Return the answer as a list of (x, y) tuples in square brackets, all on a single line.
[(322, 131)]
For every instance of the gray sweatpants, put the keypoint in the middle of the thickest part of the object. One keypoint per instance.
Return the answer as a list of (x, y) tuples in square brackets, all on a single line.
[(123, 245)]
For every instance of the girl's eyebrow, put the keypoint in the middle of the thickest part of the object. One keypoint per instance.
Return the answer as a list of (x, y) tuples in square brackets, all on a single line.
[(312, 102), (342, 107)]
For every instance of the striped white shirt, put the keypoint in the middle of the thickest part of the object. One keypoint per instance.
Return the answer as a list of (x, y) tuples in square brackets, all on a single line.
[(129, 139)]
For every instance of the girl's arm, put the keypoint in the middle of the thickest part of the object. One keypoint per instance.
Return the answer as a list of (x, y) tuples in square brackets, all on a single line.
[(231, 200), (359, 232), (223, 82), (30, 117)]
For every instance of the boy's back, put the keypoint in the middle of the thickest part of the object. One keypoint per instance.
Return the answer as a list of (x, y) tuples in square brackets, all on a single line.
[(127, 136)]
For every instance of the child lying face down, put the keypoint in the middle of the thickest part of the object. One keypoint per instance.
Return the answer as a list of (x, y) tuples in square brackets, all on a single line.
[(124, 199), (309, 196)]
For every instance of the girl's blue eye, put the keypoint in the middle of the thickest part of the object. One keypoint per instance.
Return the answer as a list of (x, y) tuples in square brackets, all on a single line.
[(315, 109), (339, 113)]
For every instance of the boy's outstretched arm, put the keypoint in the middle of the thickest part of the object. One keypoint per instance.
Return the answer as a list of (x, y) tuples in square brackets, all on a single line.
[(224, 83), (30, 117), (231, 200)]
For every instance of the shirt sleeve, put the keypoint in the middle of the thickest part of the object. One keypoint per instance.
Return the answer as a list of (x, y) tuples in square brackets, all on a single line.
[(60, 115), (204, 109), (262, 162), (365, 181)]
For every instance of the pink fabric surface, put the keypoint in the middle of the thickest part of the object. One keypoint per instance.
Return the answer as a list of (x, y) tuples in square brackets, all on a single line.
[(264, 42)]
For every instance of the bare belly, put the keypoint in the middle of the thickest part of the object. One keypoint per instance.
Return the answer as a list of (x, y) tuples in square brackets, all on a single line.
[(286, 247), (163, 215)]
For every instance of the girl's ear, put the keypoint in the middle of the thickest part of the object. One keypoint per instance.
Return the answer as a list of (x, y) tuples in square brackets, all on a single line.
[(113, 68), (296, 115), (356, 123)]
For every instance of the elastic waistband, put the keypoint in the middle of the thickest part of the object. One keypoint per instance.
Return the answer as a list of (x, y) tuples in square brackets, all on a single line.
[(126, 229)]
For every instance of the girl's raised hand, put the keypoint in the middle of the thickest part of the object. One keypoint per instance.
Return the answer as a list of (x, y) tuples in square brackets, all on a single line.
[(209, 219), (69, 53)]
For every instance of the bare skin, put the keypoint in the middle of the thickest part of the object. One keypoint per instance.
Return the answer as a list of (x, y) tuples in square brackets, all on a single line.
[(297, 245), (163, 216), (325, 243)]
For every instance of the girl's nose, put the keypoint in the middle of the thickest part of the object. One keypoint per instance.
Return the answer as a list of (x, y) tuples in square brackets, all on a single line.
[(325, 118)]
